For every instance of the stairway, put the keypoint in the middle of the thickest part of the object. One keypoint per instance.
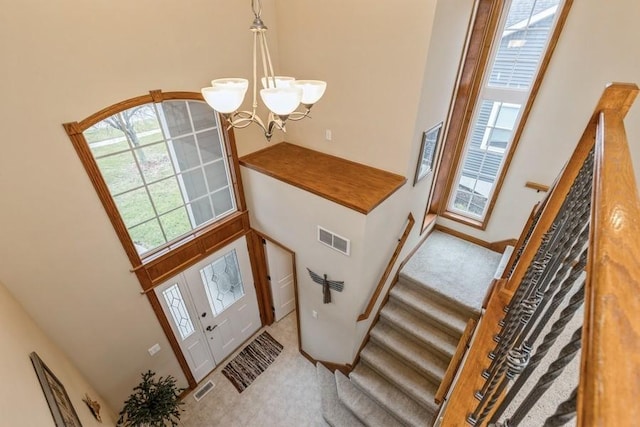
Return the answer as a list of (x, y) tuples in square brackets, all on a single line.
[(408, 352)]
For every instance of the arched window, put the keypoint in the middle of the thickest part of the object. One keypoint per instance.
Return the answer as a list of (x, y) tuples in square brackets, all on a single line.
[(166, 173)]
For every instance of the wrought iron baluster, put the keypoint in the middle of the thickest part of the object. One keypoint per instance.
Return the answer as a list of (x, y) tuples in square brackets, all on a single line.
[(575, 302), (566, 355), (517, 360), (559, 281), (565, 412), (515, 333), (573, 214)]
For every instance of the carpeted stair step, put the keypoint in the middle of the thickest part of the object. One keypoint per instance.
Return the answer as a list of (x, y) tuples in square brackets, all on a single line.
[(453, 305), (409, 350), (333, 411), (361, 405), (454, 269), (434, 310), (402, 376), (390, 397), (411, 324), (506, 255)]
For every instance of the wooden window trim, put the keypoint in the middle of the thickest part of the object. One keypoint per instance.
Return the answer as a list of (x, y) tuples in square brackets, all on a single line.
[(481, 34), (155, 269)]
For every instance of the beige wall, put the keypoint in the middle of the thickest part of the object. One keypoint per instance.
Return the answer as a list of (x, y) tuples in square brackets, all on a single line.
[(598, 45), (291, 216), (66, 59), (372, 54), (22, 401), (62, 61)]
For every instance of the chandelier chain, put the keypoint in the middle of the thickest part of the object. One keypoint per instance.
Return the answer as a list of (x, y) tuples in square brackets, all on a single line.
[(256, 6)]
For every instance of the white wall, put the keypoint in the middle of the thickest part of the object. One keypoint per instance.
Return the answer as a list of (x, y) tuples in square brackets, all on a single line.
[(62, 61), (598, 45), (22, 400)]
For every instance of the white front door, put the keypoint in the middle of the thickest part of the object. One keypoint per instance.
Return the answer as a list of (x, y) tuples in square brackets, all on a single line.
[(218, 299), (280, 265), (179, 309), (224, 295)]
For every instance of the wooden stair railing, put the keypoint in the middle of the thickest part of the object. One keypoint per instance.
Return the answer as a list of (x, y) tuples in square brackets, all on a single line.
[(376, 293), (590, 222), (610, 373)]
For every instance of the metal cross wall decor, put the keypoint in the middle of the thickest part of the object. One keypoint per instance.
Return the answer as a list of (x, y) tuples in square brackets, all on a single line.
[(327, 285)]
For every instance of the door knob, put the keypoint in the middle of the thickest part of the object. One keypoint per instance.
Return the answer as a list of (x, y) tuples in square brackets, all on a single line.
[(211, 328)]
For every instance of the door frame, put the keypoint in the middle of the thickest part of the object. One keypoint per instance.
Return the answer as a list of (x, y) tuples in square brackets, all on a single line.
[(229, 315), (261, 262), (259, 282)]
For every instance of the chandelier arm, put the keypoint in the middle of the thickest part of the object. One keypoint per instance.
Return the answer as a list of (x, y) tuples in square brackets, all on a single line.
[(242, 119), (299, 115), (265, 55), (255, 71), (266, 47), (274, 123)]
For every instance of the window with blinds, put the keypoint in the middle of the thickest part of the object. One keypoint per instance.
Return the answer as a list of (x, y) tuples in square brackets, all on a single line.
[(518, 49)]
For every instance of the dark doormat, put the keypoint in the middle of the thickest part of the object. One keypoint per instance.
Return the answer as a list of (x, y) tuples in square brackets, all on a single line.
[(252, 361)]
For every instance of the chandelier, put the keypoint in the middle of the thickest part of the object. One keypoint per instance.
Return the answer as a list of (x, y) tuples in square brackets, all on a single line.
[(282, 95)]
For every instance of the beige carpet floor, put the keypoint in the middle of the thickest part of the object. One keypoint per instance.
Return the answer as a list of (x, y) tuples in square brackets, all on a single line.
[(285, 395)]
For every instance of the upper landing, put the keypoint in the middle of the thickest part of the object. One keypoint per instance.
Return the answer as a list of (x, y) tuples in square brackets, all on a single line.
[(354, 185)]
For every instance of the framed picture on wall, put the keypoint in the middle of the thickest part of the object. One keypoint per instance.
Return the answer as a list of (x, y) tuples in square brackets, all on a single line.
[(64, 415), (428, 152)]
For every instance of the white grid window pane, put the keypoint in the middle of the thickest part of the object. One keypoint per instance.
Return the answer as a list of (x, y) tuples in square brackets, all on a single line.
[(519, 47), (178, 310), (165, 166), (524, 39), (483, 156)]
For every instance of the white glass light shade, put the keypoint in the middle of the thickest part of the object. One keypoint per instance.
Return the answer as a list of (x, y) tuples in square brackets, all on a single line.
[(225, 95), (312, 90), (281, 81), (281, 101)]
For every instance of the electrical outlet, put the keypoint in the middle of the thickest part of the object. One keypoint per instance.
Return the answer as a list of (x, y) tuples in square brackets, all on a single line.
[(314, 314), (328, 135)]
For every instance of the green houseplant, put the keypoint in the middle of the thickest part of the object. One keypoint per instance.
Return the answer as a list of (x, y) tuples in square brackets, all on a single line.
[(153, 403)]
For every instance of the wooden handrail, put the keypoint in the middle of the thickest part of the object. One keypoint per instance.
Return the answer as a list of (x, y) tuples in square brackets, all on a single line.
[(374, 297), (610, 369), (454, 364), (536, 186), (609, 386)]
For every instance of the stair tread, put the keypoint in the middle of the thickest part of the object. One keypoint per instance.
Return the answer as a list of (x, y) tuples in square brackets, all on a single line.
[(424, 332), (333, 411), (435, 310), (465, 310), (403, 376), (409, 350), (390, 397), (367, 410)]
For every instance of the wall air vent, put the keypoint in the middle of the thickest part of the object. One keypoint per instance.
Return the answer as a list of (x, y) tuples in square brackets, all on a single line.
[(334, 241)]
